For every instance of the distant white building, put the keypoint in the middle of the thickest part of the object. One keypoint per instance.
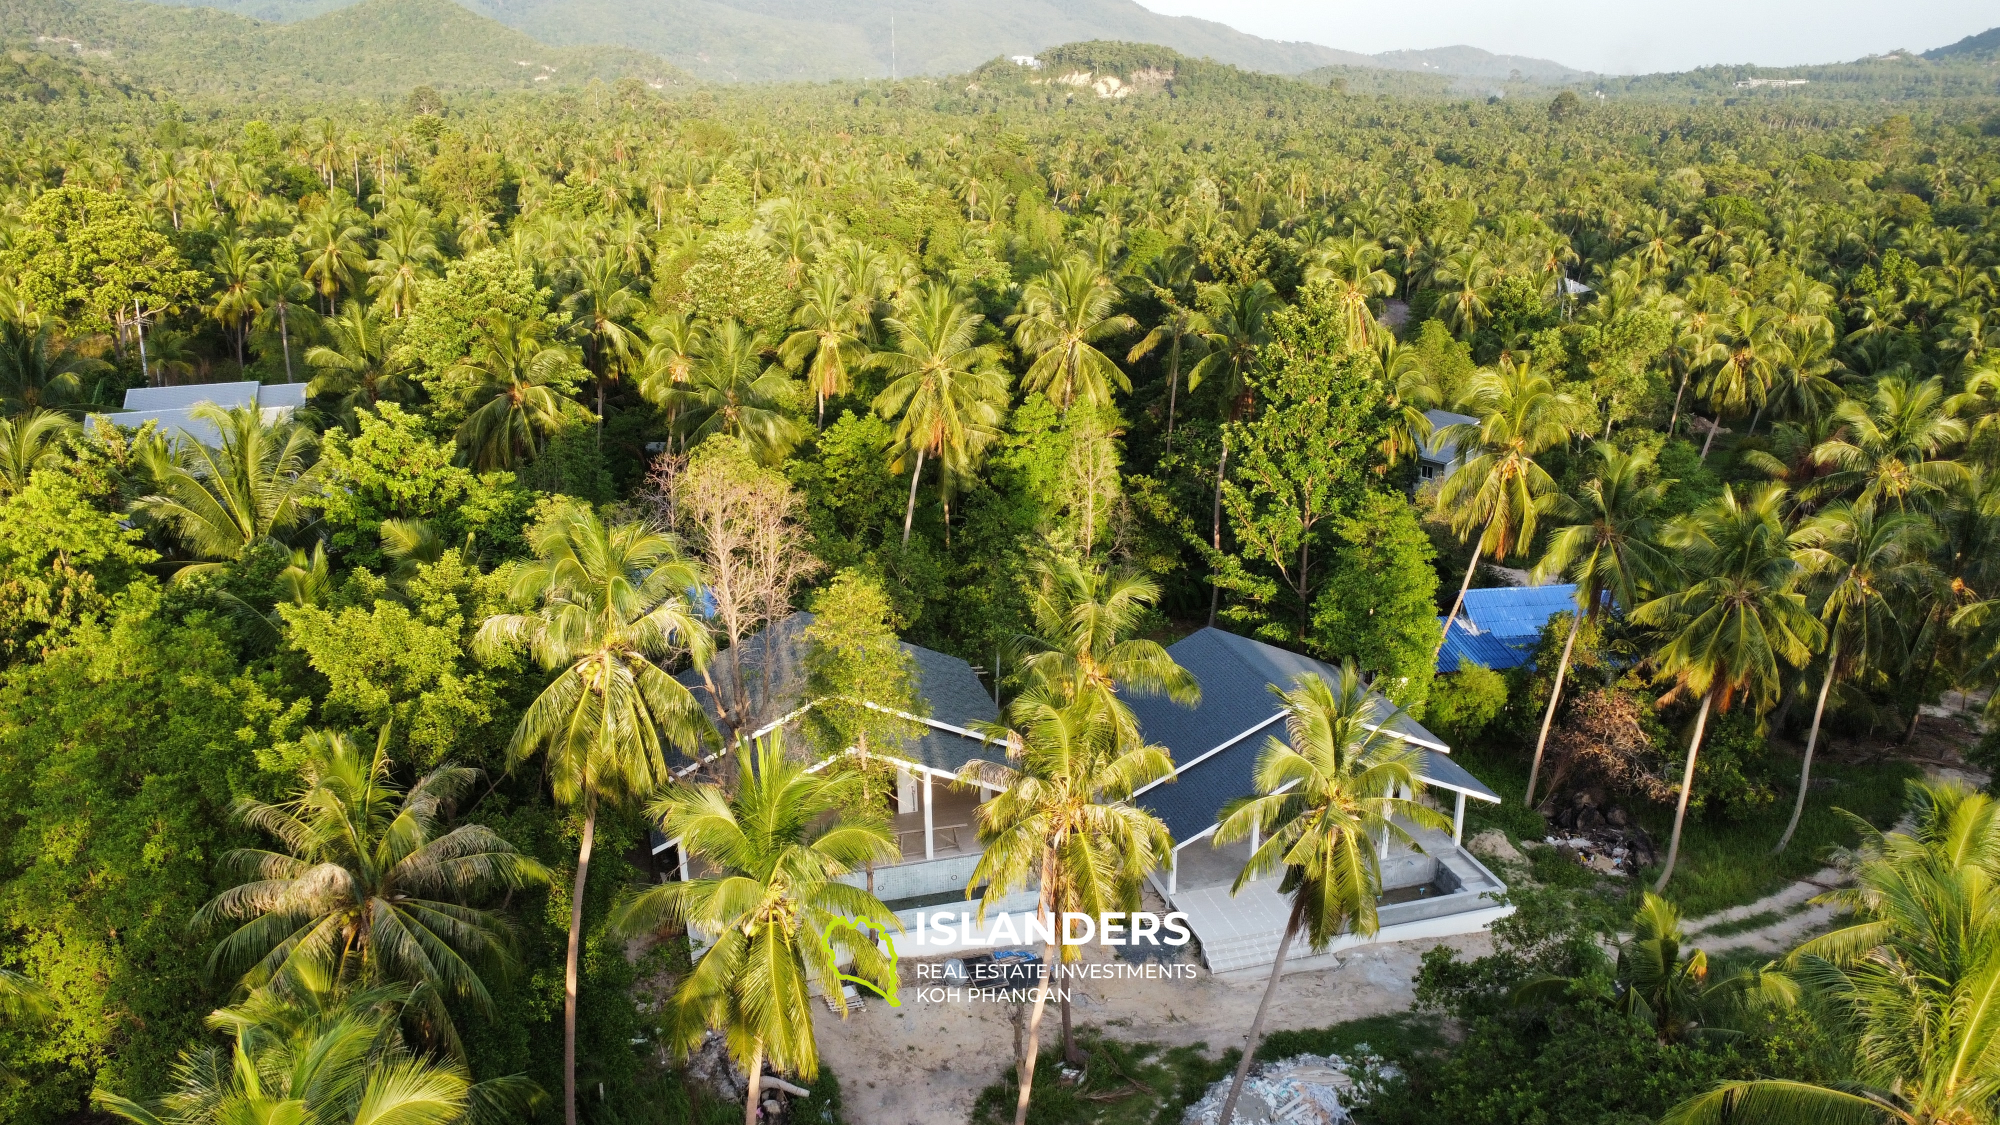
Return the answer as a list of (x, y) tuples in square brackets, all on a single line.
[(1029, 61), (172, 408), (1755, 83), (1440, 458)]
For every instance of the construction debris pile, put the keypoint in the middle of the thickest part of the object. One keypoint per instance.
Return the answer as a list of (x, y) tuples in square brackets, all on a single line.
[(1599, 835), (1301, 1090)]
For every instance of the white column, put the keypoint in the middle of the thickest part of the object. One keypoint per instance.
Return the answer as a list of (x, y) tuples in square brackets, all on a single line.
[(1255, 840), (1173, 871), (680, 849), (930, 839), (1458, 820)]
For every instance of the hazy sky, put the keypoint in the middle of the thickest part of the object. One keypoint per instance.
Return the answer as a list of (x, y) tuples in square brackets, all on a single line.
[(1617, 37)]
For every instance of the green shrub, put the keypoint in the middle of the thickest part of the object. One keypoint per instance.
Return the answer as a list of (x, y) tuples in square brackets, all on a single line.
[(1464, 703)]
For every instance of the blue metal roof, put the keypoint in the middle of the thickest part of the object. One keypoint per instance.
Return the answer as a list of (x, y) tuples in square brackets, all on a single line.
[(1517, 611), (1487, 650)]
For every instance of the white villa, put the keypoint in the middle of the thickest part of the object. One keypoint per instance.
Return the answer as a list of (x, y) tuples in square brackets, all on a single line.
[(1433, 892)]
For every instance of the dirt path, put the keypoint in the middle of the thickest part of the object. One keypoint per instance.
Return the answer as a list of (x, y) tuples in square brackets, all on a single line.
[(927, 1061), (1798, 917)]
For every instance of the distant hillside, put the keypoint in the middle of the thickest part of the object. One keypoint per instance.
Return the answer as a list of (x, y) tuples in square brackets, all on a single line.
[(1985, 45), (372, 48), (779, 40)]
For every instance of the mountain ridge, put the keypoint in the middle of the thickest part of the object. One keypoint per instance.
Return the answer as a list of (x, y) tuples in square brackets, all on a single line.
[(370, 48), (816, 40)]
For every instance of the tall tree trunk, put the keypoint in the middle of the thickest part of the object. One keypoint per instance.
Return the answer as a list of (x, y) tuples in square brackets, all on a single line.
[(1263, 1007), (1555, 694), (755, 1080), (1026, 1062), (1459, 602), (1687, 787), (1070, 1054), (139, 325), (910, 510), (1812, 740), (1674, 421), (1173, 388), (1215, 590), (285, 337), (570, 959), (1714, 425)]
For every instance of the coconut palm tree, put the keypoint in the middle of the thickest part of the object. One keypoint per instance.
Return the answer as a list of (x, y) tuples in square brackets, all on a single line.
[(826, 341), (1167, 276), (1063, 820), (29, 442), (1608, 552), (1470, 281), (1893, 445), (1915, 975), (238, 271), (1660, 979), (947, 392), (519, 383), (1065, 313), (330, 238), (406, 254), (1238, 324), (1862, 561), (1351, 269), (1410, 392), (606, 608), (1502, 492), (369, 885), (22, 1000), (38, 374), (1087, 619), (1748, 354), (773, 848), (328, 1057), (732, 389), (282, 293), (601, 309), (225, 499), (1326, 795), (358, 366), (1736, 615)]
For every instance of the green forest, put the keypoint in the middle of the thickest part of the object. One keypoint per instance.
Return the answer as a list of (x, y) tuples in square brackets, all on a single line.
[(332, 738)]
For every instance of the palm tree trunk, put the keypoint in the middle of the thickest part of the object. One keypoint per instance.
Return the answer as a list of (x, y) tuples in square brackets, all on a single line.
[(755, 1080), (285, 337), (569, 963), (1263, 1007), (1173, 388), (139, 325), (1070, 1054), (910, 510), (1459, 602), (1674, 421), (1221, 470), (1714, 424), (1687, 787), (1562, 670), (1026, 1063), (1805, 769)]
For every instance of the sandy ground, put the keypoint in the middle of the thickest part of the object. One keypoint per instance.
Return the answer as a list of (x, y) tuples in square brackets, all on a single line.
[(925, 1062)]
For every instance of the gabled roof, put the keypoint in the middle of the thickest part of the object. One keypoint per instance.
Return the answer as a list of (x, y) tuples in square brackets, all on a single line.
[(1215, 744), (1436, 448), (182, 397), (772, 664)]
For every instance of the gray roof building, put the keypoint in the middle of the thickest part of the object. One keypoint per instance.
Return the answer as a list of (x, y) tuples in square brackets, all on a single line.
[(172, 408)]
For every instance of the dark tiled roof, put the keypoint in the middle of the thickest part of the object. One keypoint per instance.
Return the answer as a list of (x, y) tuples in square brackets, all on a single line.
[(1236, 675)]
